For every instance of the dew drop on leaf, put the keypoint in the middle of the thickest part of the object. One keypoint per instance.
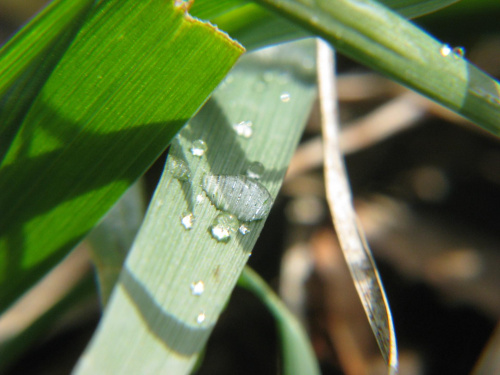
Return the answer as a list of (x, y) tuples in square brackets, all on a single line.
[(255, 170), (459, 52), (224, 226), (244, 129), (243, 229), (241, 196), (445, 50), (197, 288), (198, 148), (178, 168), (285, 97), (187, 220), (201, 317)]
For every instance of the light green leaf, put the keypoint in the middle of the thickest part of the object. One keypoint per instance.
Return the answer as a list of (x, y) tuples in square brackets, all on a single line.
[(298, 355), (379, 38), (135, 73), (111, 240), (154, 321)]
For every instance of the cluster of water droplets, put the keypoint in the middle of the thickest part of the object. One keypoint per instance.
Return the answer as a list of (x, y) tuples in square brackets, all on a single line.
[(197, 289), (244, 129), (457, 52)]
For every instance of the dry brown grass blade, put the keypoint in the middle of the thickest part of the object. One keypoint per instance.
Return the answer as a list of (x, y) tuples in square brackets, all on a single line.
[(356, 252)]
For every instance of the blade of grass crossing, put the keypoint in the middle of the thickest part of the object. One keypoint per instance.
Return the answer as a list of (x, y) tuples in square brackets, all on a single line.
[(298, 355), (178, 276), (381, 39), (254, 26)]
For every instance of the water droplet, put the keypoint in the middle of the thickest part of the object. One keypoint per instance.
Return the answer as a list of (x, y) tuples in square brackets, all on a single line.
[(224, 226), (459, 52), (243, 229), (187, 220), (198, 148), (445, 50), (244, 197), (200, 198), (255, 170), (201, 317), (285, 97), (197, 288), (178, 168), (244, 129)]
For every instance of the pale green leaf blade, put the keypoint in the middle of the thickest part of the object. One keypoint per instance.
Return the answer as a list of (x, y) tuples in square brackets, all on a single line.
[(133, 76), (153, 318), (111, 240), (379, 38), (298, 355)]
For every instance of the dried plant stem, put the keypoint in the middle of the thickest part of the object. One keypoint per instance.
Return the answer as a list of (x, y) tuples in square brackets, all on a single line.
[(354, 247)]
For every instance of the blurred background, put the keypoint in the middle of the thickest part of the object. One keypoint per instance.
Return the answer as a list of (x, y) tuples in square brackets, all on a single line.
[(426, 184)]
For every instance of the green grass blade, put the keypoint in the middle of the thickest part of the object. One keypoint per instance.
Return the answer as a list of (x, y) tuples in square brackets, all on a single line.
[(27, 60), (134, 75), (416, 8), (208, 9), (379, 38), (256, 27), (298, 355), (153, 319)]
